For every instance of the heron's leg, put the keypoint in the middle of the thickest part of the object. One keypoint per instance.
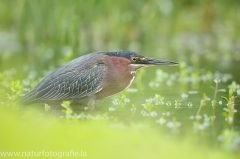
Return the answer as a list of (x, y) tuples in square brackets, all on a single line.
[(91, 104)]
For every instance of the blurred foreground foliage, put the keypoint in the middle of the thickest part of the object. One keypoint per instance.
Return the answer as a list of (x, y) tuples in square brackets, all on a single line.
[(32, 131)]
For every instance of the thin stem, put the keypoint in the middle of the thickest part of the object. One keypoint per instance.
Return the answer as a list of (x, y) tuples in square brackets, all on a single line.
[(200, 107), (214, 101), (231, 112)]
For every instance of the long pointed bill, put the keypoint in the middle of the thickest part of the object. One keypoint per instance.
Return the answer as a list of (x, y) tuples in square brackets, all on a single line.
[(152, 62)]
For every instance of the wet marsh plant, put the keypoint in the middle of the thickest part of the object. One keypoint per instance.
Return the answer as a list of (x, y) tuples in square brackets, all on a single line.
[(214, 101), (150, 103), (121, 100), (229, 111), (235, 87), (67, 110), (46, 107), (148, 106), (16, 89), (202, 104), (178, 104), (158, 99), (168, 103)]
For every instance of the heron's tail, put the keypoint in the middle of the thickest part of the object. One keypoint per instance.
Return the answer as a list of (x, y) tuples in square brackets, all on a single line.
[(28, 98)]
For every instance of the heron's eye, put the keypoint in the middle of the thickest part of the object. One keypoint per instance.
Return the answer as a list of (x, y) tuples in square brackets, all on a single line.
[(134, 59)]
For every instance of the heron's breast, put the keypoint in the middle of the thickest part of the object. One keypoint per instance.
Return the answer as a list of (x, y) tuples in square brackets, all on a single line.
[(117, 77)]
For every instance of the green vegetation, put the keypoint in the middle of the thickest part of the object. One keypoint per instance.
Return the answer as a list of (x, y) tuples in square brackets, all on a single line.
[(169, 112)]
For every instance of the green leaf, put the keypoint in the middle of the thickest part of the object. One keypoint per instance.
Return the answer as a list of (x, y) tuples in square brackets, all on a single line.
[(230, 93), (214, 103), (204, 96), (225, 98)]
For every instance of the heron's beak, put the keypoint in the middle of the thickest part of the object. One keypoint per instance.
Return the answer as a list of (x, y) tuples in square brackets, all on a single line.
[(151, 62)]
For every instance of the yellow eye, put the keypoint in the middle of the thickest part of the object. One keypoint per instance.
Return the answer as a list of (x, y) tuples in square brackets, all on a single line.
[(134, 59)]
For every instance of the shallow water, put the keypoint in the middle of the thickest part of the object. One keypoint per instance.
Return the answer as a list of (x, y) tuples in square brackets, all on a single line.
[(178, 105)]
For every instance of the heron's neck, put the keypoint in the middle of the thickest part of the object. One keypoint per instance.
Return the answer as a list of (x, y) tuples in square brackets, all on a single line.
[(134, 67)]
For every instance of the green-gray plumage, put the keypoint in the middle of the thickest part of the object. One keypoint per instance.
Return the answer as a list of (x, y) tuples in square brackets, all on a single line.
[(90, 77)]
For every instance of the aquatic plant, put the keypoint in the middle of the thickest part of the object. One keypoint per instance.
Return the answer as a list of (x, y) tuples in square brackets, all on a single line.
[(67, 110), (229, 111)]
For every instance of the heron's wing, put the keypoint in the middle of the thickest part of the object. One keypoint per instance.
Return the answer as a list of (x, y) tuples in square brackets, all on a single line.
[(73, 83)]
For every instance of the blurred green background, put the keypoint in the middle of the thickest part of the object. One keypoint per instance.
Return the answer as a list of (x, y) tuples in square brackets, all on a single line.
[(44, 33), (39, 35)]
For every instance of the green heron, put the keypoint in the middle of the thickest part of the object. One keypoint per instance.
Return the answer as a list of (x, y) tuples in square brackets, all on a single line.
[(91, 77)]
